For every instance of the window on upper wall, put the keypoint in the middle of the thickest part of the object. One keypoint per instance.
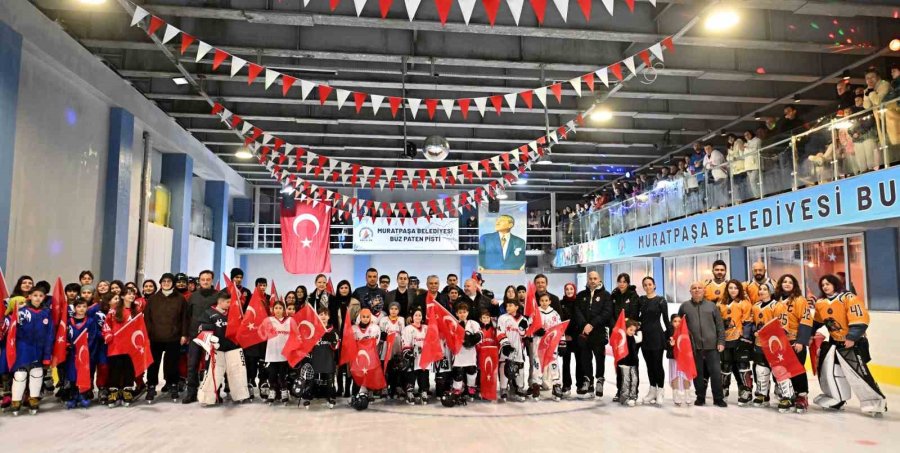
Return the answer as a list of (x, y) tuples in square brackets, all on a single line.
[(636, 270), (681, 271)]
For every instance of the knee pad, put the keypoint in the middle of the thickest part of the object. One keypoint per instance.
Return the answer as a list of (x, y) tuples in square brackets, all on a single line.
[(726, 367), (19, 382), (35, 381)]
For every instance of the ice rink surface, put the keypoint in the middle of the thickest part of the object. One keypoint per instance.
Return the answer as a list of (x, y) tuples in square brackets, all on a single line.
[(391, 426)]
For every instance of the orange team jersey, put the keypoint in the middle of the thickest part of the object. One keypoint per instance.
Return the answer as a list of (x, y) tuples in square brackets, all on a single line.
[(715, 291), (761, 315), (734, 315), (752, 289), (839, 312), (793, 314)]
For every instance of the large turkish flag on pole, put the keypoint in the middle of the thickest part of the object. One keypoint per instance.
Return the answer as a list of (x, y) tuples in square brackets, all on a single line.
[(304, 239), (777, 348)]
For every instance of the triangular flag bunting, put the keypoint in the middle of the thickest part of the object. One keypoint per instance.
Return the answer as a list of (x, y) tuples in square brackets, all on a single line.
[(541, 94), (556, 88), (629, 63), (589, 80), (603, 74), (170, 34), (253, 71), (464, 107), (609, 6), (411, 7), (645, 56), (448, 103), (139, 15), (271, 77), (497, 102), (305, 88), (359, 4), (669, 44), (394, 102), (630, 4), (481, 103), (491, 7), (576, 83), (511, 101), (563, 7), (443, 7), (657, 52), (286, 83), (219, 57), (515, 7), (384, 6), (342, 97), (236, 64), (155, 23), (324, 91), (616, 69), (431, 105), (540, 8), (376, 103), (467, 6), (413, 106), (585, 9), (526, 97), (202, 49)]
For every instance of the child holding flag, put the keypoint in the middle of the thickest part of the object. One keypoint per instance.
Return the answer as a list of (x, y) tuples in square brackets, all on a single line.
[(465, 361), (31, 338), (628, 365), (121, 368), (80, 323), (391, 330), (276, 363), (545, 374), (413, 341), (511, 327), (678, 378)]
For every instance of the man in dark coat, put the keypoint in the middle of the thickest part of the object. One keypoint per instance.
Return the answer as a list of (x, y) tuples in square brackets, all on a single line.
[(593, 310)]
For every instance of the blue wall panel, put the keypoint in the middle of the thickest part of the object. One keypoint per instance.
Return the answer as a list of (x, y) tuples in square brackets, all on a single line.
[(176, 175), (10, 64), (117, 196)]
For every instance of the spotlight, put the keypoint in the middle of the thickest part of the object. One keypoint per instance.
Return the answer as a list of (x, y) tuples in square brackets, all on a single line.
[(846, 74), (796, 98), (894, 45), (544, 161), (601, 114), (628, 175), (757, 116), (723, 132), (721, 20), (501, 194), (521, 181), (243, 153), (179, 81)]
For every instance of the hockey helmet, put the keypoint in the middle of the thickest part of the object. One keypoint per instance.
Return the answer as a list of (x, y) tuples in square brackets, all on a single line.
[(359, 402)]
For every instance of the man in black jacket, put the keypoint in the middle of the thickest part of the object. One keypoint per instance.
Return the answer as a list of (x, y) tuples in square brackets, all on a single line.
[(475, 299), (201, 301), (403, 295), (371, 296), (593, 311), (540, 288)]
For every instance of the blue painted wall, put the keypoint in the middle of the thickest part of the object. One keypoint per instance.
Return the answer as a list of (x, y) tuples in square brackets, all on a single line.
[(176, 174), (117, 196), (216, 197), (10, 64), (360, 264), (467, 265), (737, 263)]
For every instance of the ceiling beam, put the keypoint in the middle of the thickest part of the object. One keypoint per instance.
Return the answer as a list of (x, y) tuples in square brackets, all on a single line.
[(291, 18)]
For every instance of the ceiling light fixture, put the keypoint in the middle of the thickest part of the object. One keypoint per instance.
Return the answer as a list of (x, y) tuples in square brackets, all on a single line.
[(757, 116), (243, 153), (179, 81), (544, 161), (521, 181), (796, 99), (722, 19), (894, 45), (602, 114), (501, 194), (92, 2), (846, 74)]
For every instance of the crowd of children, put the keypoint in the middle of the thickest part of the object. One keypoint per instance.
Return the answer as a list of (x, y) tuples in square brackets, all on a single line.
[(365, 351)]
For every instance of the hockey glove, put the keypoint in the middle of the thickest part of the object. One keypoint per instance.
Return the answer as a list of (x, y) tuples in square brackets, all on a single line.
[(540, 332), (383, 336), (523, 324)]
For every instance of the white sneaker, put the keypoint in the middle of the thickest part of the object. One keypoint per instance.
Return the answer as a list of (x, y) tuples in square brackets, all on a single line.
[(678, 397), (630, 403), (660, 394)]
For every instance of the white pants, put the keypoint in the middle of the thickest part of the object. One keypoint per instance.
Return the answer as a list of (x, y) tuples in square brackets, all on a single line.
[(230, 364)]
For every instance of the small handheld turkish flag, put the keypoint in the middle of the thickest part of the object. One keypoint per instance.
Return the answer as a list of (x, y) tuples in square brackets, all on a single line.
[(683, 351), (775, 345), (814, 347), (431, 346), (13, 321), (60, 314), (549, 342), (82, 363), (235, 310), (132, 338), (365, 366), (255, 325), (329, 288), (617, 339), (306, 331), (450, 329), (305, 237), (348, 341), (488, 360), (532, 311)]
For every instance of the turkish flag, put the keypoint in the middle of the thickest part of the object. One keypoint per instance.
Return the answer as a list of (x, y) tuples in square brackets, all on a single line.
[(4, 290), (255, 326), (775, 345), (234, 310), (13, 321), (274, 297), (132, 339), (82, 363), (329, 288), (304, 239), (488, 361), (617, 339), (365, 366), (814, 347), (348, 342), (60, 313), (532, 311), (549, 342), (431, 347), (684, 352), (306, 331), (388, 348), (448, 326)]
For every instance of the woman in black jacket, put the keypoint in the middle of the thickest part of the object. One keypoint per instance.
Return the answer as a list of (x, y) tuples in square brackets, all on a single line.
[(624, 298), (566, 313), (653, 308)]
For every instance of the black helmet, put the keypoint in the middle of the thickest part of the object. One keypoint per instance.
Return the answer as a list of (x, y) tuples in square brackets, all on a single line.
[(181, 276), (360, 401)]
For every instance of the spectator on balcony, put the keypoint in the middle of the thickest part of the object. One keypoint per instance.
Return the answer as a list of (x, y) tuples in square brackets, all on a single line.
[(892, 115), (877, 89), (713, 163), (533, 220), (545, 219), (735, 158), (751, 162), (866, 155), (696, 163), (844, 94)]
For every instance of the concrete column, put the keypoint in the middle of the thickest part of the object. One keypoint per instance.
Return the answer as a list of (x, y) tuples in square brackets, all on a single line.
[(882, 269), (117, 197), (177, 171), (216, 198), (10, 63)]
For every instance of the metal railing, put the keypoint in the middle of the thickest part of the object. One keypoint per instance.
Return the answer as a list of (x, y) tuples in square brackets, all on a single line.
[(268, 236), (836, 148)]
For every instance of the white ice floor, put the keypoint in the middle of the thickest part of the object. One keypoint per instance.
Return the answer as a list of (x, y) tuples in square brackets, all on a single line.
[(566, 426)]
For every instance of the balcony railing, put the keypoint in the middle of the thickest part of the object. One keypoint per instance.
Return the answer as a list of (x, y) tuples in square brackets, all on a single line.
[(268, 236), (836, 148)]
